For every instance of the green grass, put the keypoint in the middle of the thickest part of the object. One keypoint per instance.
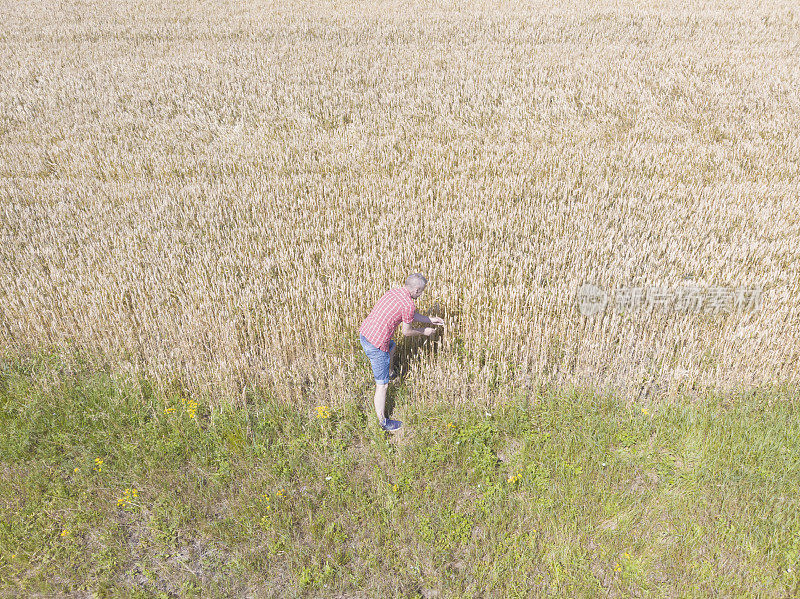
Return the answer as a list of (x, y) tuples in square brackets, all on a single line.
[(559, 493)]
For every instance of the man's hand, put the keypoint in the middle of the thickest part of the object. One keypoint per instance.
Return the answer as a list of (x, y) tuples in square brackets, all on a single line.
[(428, 331), (428, 319)]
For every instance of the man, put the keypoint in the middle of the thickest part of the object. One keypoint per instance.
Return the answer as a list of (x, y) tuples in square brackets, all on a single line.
[(396, 306)]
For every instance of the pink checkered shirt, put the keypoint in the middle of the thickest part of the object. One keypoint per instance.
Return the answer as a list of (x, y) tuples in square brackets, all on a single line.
[(394, 307)]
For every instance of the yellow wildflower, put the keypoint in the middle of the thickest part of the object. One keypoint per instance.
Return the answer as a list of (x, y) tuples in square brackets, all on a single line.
[(127, 495), (323, 412), (64, 532), (191, 408)]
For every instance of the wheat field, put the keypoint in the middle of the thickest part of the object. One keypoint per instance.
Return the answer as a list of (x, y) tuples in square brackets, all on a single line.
[(219, 192)]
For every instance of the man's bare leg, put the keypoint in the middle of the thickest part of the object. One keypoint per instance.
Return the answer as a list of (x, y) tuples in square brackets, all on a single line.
[(391, 358), (380, 401)]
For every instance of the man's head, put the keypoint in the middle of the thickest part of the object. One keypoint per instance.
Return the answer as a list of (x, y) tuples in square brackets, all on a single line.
[(416, 284)]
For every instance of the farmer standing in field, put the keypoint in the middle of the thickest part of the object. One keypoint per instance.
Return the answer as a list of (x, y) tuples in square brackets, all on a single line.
[(396, 306)]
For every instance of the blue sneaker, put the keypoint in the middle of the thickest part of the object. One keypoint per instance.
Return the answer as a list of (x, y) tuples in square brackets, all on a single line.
[(390, 425)]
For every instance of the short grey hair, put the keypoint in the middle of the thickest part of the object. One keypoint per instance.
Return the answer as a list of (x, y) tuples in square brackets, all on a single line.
[(416, 280)]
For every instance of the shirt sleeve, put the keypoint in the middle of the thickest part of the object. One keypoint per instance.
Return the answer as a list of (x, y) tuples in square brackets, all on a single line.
[(408, 313)]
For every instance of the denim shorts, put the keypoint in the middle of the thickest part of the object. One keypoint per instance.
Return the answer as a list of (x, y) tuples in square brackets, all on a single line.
[(379, 360)]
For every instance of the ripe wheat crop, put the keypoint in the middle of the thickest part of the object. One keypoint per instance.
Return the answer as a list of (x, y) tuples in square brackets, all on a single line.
[(223, 191)]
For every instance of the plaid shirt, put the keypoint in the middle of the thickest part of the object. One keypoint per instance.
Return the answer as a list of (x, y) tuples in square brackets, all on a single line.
[(394, 307)]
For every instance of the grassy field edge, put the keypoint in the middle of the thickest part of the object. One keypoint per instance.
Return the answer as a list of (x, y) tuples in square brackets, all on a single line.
[(111, 492)]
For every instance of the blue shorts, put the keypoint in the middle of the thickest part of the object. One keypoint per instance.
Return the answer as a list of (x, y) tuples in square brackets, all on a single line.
[(379, 360)]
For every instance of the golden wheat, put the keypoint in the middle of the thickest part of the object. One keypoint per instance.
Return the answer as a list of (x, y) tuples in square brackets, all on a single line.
[(223, 192)]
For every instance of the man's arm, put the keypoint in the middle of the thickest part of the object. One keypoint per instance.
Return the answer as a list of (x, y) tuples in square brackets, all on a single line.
[(410, 331), (427, 319)]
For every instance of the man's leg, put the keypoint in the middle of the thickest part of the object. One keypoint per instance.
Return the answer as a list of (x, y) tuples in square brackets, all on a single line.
[(380, 361), (391, 356), (380, 401)]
